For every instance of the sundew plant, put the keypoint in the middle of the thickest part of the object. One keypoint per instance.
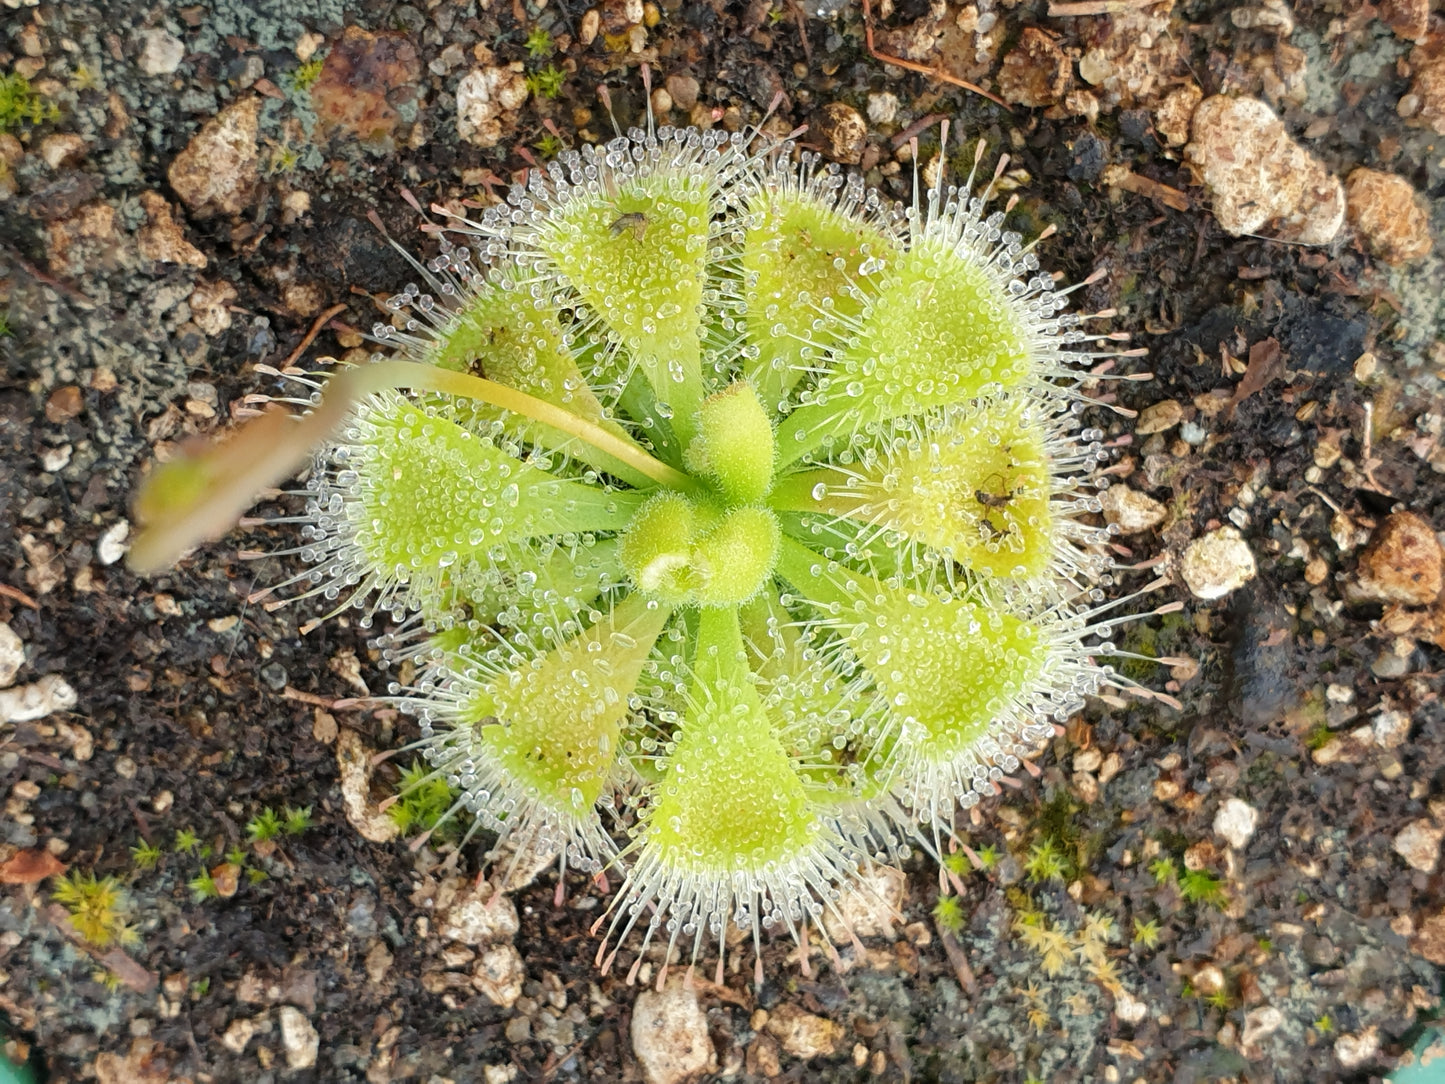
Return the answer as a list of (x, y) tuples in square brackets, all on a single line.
[(737, 521)]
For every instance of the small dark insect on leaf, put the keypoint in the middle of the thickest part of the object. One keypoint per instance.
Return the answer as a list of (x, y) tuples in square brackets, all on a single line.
[(993, 500), (635, 221)]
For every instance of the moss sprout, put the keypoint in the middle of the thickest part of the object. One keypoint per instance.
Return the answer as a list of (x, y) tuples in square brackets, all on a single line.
[(21, 105), (97, 908)]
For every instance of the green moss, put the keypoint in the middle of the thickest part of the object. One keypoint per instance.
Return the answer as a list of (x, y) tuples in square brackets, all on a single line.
[(546, 82), (1201, 886), (539, 43), (97, 907), (948, 913), (423, 799), (21, 105), (1046, 862), (305, 74)]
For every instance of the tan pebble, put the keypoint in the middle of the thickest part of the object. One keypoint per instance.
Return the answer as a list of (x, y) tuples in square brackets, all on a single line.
[(1159, 417), (1131, 510), (670, 1034), (486, 99), (1403, 562), (842, 133), (802, 1034), (1217, 563), (1418, 843), (219, 169), (1036, 72), (1261, 180), (1389, 214), (1409, 19), (61, 149)]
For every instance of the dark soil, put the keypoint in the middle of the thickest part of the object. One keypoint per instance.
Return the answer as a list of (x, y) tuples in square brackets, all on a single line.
[(196, 710)]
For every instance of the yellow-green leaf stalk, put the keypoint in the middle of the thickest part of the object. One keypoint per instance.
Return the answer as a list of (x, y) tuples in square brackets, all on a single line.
[(736, 523)]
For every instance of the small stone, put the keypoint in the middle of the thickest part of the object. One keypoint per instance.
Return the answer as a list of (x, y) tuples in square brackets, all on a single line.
[(1391, 729), (1429, 941), (479, 915), (1408, 19), (1095, 66), (1036, 72), (304, 298), (842, 133), (1209, 980), (669, 1034), (763, 1059), (1402, 563), (1389, 214), (802, 1034), (1159, 418), (882, 107), (45, 697), (353, 760), (587, 29), (56, 459), (1418, 843), (1236, 821), (307, 44), (12, 655), (64, 403), (1426, 97), (161, 239), (1172, 117), (1260, 180), (868, 908), (210, 306), (661, 102), (1128, 1008), (684, 90), (1273, 16), (111, 547), (1217, 563), (219, 169), (499, 974), (227, 878), (161, 52), (298, 1038), (1130, 510), (62, 149), (486, 99), (1259, 1023), (238, 1034), (1354, 1050), (1390, 665)]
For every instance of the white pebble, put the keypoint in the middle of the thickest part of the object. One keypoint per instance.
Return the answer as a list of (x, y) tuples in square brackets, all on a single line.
[(12, 655), (1236, 821), (1418, 843), (298, 1038), (669, 1034), (1217, 563), (111, 547), (45, 697), (161, 53)]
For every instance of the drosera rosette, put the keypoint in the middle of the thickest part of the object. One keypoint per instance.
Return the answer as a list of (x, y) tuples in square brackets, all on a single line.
[(737, 523)]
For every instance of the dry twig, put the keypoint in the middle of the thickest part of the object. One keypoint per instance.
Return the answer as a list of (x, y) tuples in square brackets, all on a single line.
[(922, 69)]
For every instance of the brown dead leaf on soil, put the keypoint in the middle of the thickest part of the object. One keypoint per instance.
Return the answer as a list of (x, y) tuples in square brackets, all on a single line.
[(30, 867)]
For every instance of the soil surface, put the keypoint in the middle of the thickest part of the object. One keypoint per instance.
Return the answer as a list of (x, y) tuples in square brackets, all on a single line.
[(1250, 886)]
